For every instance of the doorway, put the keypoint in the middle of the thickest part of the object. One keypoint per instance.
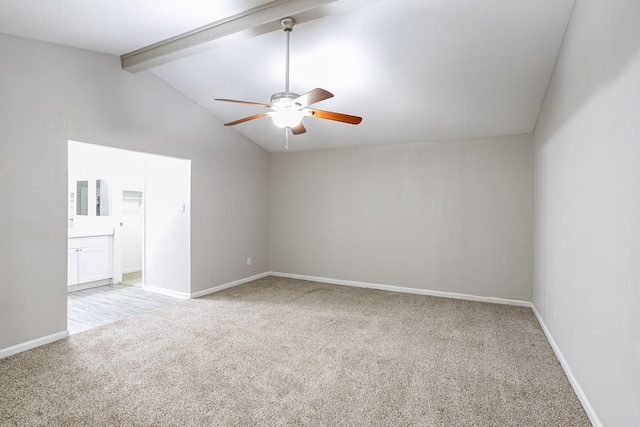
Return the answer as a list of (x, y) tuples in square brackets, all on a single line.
[(132, 229), (141, 218)]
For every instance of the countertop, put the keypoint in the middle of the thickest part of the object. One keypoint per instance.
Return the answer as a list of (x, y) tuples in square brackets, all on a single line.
[(72, 233)]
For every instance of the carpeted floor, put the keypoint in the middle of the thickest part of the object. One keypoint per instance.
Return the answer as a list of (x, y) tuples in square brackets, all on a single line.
[(132, 279), (287, 352)]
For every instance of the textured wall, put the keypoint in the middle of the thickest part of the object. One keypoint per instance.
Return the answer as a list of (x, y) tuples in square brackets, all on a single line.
[(587, 142), (454, 216), (50, 94)]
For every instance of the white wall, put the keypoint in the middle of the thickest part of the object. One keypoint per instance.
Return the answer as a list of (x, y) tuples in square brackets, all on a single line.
[(132, 231), (167, 224), (50, 94), (587, 258), (453, 216), (89, 162)]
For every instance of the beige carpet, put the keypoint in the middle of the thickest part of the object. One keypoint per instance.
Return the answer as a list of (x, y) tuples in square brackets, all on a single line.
[(287, 352), (132, 279)]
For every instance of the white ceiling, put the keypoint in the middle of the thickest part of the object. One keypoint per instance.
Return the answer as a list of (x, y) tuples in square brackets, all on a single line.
[(415, 70)]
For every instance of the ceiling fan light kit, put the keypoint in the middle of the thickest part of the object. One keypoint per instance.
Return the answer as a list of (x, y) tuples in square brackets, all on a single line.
[(288, 108), (287, 112)]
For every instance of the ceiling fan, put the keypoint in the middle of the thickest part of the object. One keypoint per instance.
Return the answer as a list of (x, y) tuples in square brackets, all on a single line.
[(288, 108)]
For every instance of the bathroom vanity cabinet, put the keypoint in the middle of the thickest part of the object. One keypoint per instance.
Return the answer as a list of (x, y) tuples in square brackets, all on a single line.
[(89, 261)]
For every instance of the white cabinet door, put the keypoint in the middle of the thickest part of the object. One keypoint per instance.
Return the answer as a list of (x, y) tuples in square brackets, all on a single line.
[(72, 267), (89, 259), (93, 263)]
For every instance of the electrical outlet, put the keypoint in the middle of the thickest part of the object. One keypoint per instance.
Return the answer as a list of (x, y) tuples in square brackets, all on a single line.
[(249, 261)]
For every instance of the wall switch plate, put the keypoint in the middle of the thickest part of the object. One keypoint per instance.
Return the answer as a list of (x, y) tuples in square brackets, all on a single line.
[(249, 261)]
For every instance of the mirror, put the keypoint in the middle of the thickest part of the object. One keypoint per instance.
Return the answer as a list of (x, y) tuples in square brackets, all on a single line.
[(102, 198), (82, 198)]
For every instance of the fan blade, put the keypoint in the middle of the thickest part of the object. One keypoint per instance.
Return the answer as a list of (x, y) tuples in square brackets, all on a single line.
[(246, 119), (243, 102), (297, 130), (338, 117), (313, 96)]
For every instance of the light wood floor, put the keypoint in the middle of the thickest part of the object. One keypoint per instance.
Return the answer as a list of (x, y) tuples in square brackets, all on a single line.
[(90, 308)]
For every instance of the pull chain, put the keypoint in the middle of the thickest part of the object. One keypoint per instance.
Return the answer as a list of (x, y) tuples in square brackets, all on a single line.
[(286, 138)]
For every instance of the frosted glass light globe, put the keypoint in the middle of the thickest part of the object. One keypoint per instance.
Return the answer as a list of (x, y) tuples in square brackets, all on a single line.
[(286, 114)]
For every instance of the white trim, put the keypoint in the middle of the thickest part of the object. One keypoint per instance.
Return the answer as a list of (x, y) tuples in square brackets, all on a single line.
[(230, 285), (176, 294), (89, 285), (184, 295), (401, 289), (167, 292), (18, 348), (132, 270), (591, 413)]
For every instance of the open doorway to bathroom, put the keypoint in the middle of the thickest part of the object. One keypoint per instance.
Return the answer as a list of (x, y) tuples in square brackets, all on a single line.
[(132, 228), (128, 233)]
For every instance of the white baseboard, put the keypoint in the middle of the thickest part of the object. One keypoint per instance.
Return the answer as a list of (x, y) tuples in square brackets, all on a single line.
[(88, 285), (401, 289), (591, 413), (6, 352), (229, 285), (167, 292)]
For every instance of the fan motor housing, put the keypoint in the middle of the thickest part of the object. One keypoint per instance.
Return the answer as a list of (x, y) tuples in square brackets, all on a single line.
[(283, 96)]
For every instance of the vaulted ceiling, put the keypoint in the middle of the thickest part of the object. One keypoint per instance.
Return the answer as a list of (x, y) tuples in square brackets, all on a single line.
[(415, 70)]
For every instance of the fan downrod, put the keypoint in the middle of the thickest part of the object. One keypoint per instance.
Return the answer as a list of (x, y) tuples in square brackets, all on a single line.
[(289, 107)]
